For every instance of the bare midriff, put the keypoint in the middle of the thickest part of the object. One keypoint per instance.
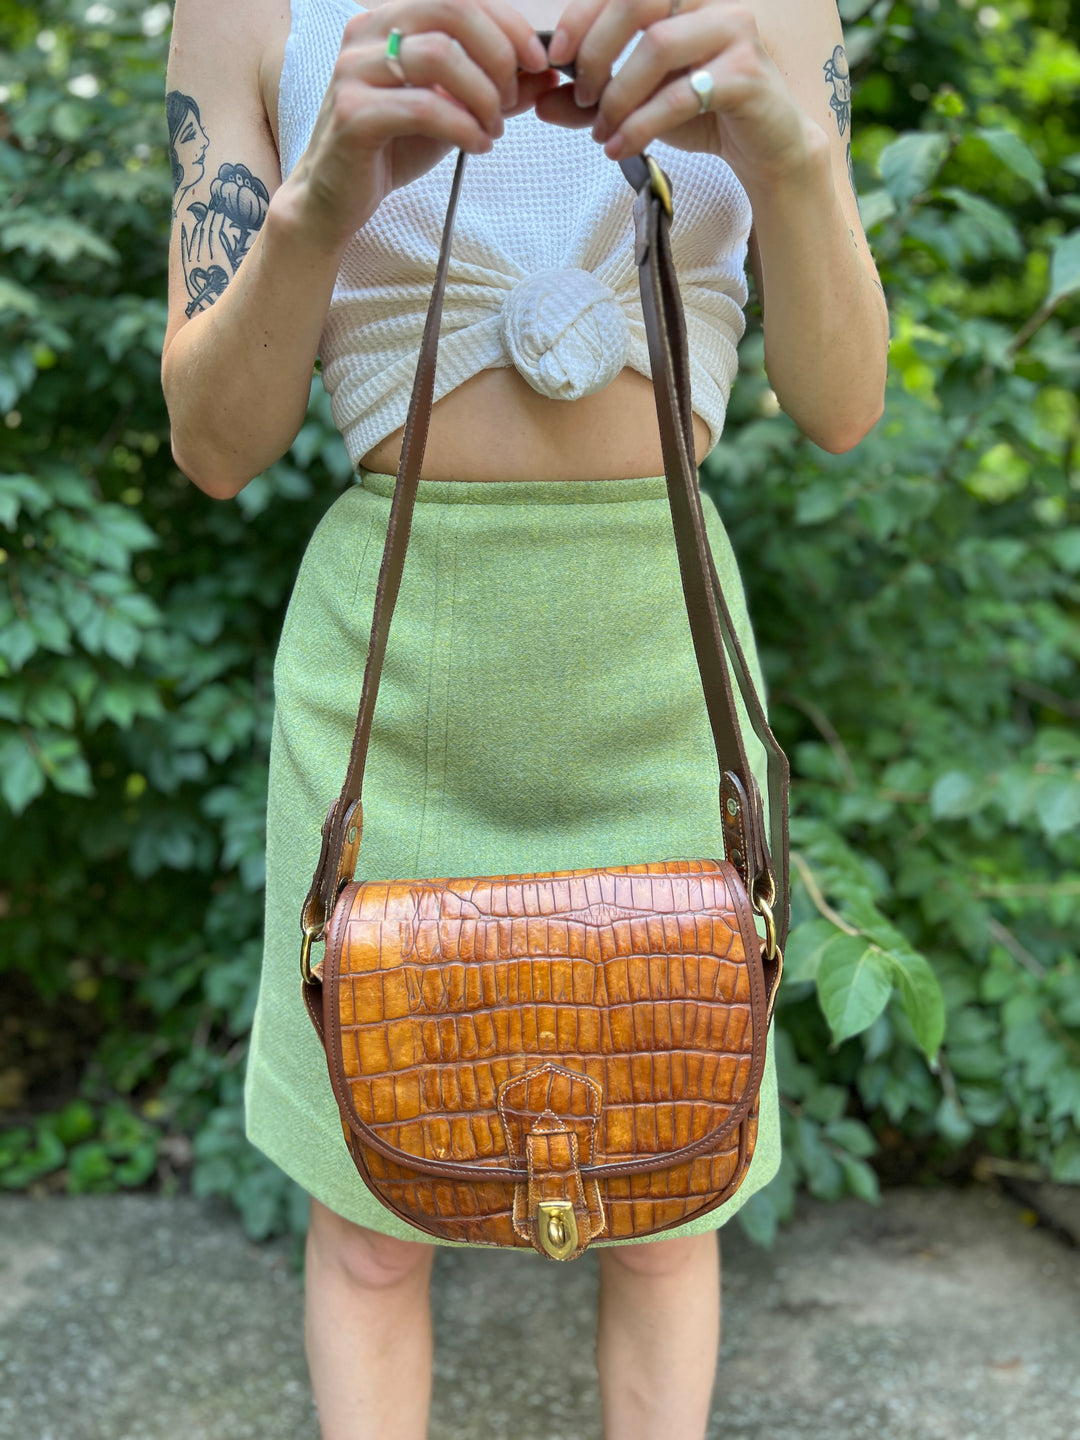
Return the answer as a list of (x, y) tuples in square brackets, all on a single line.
[(496, 427)]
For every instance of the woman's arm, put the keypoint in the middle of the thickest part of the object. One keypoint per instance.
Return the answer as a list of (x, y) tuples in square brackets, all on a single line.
[(773, 120), (253, 261), (825, 320), (246, 305)]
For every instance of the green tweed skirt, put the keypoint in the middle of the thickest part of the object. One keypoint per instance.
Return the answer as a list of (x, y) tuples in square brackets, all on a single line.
[(540, 709)]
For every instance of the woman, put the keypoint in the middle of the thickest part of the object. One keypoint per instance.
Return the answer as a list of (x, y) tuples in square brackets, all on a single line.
[(540, 708)]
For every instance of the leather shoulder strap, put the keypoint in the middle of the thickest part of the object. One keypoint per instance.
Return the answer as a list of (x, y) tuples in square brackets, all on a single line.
[(711, 626)]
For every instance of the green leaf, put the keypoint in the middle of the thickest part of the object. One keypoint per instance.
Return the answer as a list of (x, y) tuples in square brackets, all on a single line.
[(955, 795), (854, 985), (17, 298), (861, 1180), (852, 1135), (910, 163), (1058, 806), (952, 1123), (804, 948), (17, 643), (21, 777), (1018, 157), (1064, 267), (922, 999), (75, 1122), (1065, 1168), (58, 236), (874, 207)]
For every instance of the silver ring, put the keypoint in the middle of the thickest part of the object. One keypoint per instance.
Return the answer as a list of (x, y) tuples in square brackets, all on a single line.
[(675, 4), (392, 56), (702, 84)]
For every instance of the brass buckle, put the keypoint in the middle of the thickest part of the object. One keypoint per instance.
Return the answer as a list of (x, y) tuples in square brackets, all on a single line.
[(763, 907), (556, 1228), (312, 934), (659, 182)]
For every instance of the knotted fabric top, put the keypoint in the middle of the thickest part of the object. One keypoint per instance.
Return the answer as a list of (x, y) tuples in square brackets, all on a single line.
[(542, 273), (566, 333)]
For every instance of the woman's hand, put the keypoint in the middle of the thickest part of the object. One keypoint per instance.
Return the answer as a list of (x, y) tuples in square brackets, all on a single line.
[(374, 134), (753, 122)]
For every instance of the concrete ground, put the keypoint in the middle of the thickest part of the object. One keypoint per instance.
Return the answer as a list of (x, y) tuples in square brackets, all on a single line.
[(939, 1316)]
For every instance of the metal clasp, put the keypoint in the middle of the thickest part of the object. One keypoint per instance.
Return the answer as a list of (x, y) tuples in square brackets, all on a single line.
[(659, 182), (312, 934), (763, 907), (556, 1228)]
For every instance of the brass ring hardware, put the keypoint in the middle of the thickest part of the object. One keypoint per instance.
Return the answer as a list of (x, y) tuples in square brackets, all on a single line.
[(311, 935), (764, 909), (556, 1228), (766, 878), (660, 186)]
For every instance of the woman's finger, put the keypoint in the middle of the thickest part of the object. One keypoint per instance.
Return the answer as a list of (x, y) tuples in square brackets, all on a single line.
[(611, 29), (433, 58), (415, 110), (496, 37), (570, 27), (675, 105), (668, 49)]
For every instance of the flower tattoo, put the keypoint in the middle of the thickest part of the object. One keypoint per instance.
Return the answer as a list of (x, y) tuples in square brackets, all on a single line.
[(839, 77), (217, 231)]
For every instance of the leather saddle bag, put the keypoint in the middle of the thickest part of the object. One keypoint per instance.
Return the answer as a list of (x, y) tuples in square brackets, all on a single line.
[(546, 1060)]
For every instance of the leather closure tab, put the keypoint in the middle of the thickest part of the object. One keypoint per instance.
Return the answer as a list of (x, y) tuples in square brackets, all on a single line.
[(559, 1218), (550, 1117)]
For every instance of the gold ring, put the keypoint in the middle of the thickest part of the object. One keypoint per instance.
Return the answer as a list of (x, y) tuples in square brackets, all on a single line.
[(393, 56), (702, 83)]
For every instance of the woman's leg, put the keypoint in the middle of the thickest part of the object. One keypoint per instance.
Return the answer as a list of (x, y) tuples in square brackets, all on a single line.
[(659, 1337), (367, 1330)]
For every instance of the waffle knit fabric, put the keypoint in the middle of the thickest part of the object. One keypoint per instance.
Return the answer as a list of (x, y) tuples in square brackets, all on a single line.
[(542, 272), (540, 709)]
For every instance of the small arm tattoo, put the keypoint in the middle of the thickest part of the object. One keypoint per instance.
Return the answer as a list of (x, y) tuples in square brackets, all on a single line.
[(219, 222), (839, 77)]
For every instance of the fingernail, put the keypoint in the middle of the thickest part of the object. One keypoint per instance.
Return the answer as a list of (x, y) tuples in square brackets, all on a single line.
[(614, 147), (583, 95), (601, 130), (510, 95), (496, 127), (559, 49)]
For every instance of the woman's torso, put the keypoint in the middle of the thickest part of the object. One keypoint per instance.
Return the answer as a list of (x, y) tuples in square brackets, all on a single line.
[(495, 426)]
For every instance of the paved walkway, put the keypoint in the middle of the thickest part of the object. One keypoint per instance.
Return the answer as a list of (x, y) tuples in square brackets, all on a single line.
[(939, 1316)]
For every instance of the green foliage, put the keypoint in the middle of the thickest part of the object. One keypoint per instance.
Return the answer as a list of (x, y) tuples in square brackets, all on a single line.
[(916, 602)]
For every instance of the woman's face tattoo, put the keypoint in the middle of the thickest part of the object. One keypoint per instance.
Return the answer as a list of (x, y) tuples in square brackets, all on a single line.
[(189, 149)]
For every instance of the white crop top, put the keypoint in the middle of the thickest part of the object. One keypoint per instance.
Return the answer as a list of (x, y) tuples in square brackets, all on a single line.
[(542, 272)]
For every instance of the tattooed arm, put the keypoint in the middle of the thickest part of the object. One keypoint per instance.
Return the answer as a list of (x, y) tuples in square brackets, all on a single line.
[(247, 294), (254, 260), (825, 321)]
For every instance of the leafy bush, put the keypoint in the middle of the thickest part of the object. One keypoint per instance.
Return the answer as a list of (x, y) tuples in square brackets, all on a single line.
[(916, 601)]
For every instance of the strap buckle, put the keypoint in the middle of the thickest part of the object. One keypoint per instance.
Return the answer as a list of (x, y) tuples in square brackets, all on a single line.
[(661, 188), (312, 935), (763, 907)]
